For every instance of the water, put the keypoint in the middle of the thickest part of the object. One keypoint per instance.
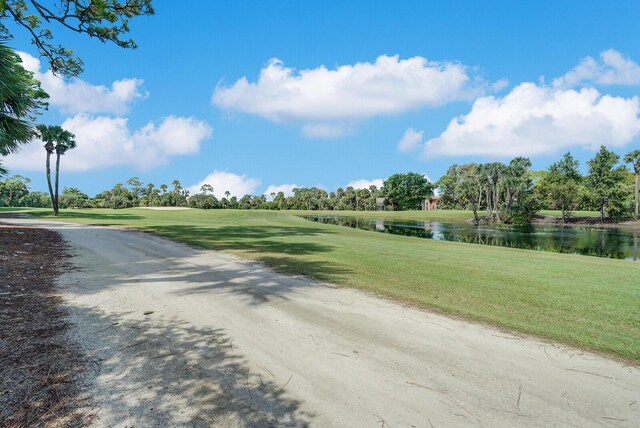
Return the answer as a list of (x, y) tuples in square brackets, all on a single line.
[(616, 243)]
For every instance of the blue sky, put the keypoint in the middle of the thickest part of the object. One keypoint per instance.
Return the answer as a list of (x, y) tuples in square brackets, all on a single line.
[(390, 69)]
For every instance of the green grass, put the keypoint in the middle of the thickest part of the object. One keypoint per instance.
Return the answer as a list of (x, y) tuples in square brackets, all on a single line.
[(584, 301), (435, 215), (574, 214)]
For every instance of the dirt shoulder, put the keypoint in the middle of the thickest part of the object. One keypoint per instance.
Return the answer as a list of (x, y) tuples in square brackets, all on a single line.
[(40, 366)]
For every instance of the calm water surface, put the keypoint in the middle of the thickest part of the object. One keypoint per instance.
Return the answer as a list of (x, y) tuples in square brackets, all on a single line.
[(614, 243)]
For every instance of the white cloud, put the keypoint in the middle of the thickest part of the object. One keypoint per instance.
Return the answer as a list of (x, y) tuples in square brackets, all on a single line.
[(221, 181), (612, 69), (410, 141), (533, 120), (105, 141), (499, 85), (287, 189), (327, 102), (78, 96), (365, 184)]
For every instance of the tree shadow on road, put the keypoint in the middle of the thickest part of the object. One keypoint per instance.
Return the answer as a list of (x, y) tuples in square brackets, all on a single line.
[(278, 247), (256, 283), (154, 371), (191, 271)]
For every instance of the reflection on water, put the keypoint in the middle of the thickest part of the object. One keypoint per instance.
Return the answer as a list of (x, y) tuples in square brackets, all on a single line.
[(612, 243)]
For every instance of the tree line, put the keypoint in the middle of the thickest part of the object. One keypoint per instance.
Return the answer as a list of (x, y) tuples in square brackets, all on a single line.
[(494, 192), (400, 191), (514, 193)]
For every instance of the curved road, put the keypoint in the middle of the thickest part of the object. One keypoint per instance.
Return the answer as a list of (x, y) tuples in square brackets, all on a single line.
[(184, 337)]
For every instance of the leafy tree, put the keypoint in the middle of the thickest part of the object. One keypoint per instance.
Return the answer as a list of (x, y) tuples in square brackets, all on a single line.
[(225, 200), (279, 201), (118, 197), (180, 194), (21, 100), (561, 184), (407, 191), (447, 185), (151, 196), (135, 185), (492, 174), (470, 188), (203, 200), (72, 197), (604, 180), (105, 20), (517, 180), (245, 202), (36, 200), (633, 158), (12, 190)]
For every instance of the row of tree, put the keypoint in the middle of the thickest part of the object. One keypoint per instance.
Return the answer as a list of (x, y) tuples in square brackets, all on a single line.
[(495, 192), (513, 192), (400, 191)]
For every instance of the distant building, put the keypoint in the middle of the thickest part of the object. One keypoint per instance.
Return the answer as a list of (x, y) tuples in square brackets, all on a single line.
[(431, 203), (380, 204)]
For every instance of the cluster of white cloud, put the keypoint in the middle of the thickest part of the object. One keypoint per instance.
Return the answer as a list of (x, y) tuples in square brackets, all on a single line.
[(78, 96), (612, 69), (287, 189), (107, 141), (329, 102), (410, 141), (223, 181), (535, 119), (365, 184), (103, 140)]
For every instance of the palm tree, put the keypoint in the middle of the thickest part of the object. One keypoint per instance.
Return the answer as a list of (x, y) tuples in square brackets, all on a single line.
[(634, 159), (66, 141), (58, 140), (150, 192), (47, 135), (21, 99), (206, 188)]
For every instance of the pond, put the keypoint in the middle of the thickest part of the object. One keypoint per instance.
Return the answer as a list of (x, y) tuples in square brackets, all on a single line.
[(617, 243)]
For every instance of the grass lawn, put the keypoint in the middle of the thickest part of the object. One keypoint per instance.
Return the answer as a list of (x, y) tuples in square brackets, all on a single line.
[(435, 215), (574, 214), (585, 301)]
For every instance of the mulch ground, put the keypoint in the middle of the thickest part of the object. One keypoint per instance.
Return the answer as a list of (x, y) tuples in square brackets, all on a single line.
[(40, 366)]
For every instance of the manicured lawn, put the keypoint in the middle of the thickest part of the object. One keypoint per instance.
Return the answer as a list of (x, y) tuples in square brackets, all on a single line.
[(574, 214), (585, 301), (435, 215)]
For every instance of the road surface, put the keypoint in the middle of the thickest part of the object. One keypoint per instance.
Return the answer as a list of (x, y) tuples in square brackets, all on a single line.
[(185, 337)]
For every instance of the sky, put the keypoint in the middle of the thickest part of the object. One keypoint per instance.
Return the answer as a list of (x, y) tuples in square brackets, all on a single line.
[(257, 97)]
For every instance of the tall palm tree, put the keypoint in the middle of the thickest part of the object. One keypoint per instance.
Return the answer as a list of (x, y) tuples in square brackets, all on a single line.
[(634, 159), (47, 135), (21, 99), (60, 141), (66, 141)]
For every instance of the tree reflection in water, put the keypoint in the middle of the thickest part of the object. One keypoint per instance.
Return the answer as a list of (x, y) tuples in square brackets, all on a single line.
[(600, 242)]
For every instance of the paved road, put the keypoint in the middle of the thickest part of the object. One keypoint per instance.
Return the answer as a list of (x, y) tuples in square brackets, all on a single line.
[(231, 343)]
